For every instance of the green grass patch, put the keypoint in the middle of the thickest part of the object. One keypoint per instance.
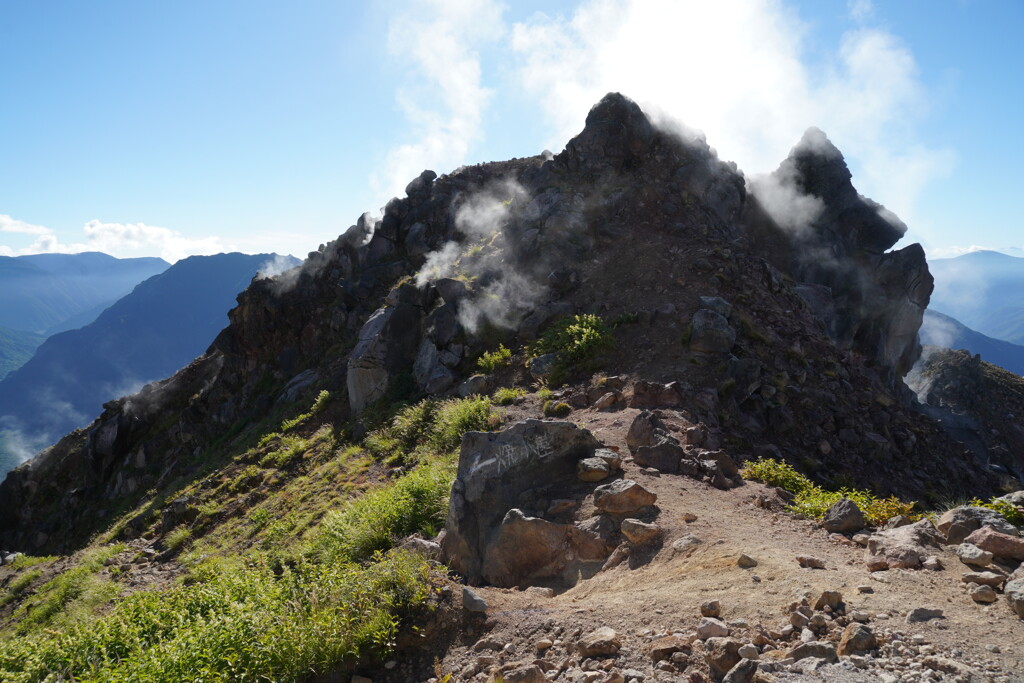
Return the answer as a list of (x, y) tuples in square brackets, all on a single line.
[(508, 395), (556, 408), (18, 585), (492, 361), (239, 623), (811, 500), (429, 427), (417, 502)]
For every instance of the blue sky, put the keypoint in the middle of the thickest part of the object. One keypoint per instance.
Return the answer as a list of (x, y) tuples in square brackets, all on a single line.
[(194, 127)]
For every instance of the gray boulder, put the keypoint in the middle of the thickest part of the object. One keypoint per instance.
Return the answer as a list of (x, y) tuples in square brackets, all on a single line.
[(710, 332), (497, 472), (1014, 591), (386, 346), (844, 516), (957, 523)]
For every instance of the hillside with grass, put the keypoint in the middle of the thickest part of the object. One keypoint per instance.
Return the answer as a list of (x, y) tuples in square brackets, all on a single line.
[(597, 416)]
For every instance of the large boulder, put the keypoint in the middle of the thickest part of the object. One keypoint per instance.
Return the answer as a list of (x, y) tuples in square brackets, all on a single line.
[(499, 475), (1014, 591), (844, 516), (710, 332), (386, 347), (904, 547), (957, 523), (1002, 546), (623, 497)]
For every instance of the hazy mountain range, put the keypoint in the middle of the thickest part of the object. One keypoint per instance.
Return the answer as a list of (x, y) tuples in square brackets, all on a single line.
[(983, 291), (159, 327)]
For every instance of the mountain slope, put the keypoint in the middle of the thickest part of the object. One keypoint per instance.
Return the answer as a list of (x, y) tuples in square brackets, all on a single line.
[(941, 330), (41, 291), (16, 347), (982, 290), (163, 324), (264, 513)]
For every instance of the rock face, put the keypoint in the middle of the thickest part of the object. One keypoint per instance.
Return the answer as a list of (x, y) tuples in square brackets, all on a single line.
[(489, 536), (878, 298), (351, 320)]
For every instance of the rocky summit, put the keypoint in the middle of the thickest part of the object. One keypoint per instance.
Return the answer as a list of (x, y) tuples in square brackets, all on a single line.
[(648, 412)]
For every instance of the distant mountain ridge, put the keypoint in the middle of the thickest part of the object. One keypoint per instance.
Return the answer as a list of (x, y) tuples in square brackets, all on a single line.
[(982, 290), (943, 331), (158, 328), (41, 291)]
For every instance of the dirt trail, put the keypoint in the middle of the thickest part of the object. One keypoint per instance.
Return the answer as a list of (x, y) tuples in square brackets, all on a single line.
[(664, 594)]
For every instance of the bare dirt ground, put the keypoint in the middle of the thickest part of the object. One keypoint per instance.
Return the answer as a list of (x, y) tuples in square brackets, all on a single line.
[(642, 599)]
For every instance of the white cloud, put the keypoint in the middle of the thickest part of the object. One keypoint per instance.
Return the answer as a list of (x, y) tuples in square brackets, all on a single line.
[(122, 240), (954, 251), (443, 98), (861, 10), (8, 224), (739, 70)]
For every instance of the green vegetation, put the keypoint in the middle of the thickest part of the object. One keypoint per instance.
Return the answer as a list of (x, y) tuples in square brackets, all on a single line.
[(415, 503), (430, 427), (491, 361), (556, 408), (1014, 514), (812, 500), (289, 566), (252, 623), (508, 395), (577, 341)]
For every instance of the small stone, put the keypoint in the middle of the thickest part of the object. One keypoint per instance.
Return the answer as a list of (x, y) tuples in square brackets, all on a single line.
[(830, 599), (689, 517), (525, 674), (602, 642), (743, 672), (817, 649), (919, 614), (640, 533), (667, 646), (861, 539), (709, 627), (984, 578), (859, 616), (856, 638), (983, 594), (865, 589), (746, 561), (544, 644), (933, 563), (711, 608), (749, 651), (973, 555), (592, 469), (809, 562), (606, 401), (471, 602), (994, 649)]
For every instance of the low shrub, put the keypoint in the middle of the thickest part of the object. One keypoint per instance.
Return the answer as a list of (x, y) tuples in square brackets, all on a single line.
[(491, 361), (556, 408), (811, 500), (429, 427), (1014, 514), (177, 538), (577, 340), (508, 395)]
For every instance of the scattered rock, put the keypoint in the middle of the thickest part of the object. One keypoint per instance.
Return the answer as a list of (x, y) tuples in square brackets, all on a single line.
[(524, 674), (982, 594), (746, 561), (640, 533), (722, 654), (932, 563), (831, 599), (843, 517), (710, 627), (818, 649), (984, 578), (606, 401), (901, 548), (856, 638), (749, 651), (919, 614), (711, 608), (623, 497), (743, 672), (971, 554), (809, 562), (472, 602), (1002, 546), (602, 642), (592, 469), (958, 523), (1014, 591), (710, 332), (664, 647)]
